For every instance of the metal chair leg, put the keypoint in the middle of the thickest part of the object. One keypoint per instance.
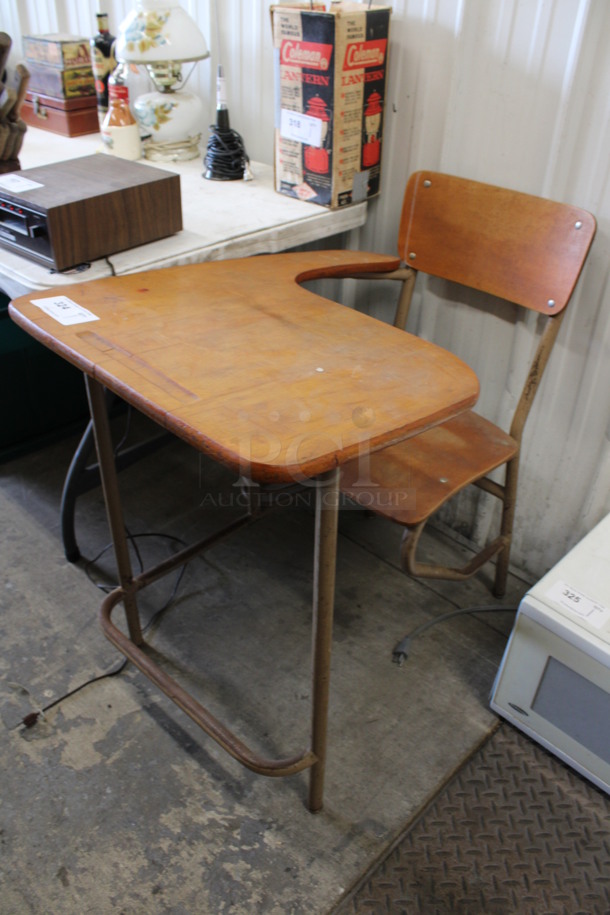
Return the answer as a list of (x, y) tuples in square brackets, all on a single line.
[(506, 531)]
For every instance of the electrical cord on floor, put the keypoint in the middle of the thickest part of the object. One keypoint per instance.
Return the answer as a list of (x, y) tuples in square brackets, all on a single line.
[(402, 648), (118, 447), (133, 539), (31, 718)]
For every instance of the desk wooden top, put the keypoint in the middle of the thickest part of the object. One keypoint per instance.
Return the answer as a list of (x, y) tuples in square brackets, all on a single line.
[(246, 365)]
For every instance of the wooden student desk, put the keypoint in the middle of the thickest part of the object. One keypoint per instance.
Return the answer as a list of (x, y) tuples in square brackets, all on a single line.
[(222, 219), (273, 381)]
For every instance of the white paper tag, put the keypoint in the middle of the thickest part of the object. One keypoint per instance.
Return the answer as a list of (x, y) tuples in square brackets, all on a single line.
[(301, 127), (579, 604), (64, 310), (17, 183)]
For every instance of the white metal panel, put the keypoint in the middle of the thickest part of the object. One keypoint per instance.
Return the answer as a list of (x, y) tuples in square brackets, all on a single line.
[(515, 92)]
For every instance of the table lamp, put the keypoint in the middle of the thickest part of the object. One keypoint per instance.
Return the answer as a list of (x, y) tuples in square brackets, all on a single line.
[(160, 35)]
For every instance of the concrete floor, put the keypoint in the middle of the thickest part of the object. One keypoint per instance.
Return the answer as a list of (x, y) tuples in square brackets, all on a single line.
[(114, 801)]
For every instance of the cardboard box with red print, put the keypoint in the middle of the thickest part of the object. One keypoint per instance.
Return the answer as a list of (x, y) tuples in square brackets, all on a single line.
[(331, 71)]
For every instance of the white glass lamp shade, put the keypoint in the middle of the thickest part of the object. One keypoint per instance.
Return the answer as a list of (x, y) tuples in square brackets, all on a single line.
[(159, 31)]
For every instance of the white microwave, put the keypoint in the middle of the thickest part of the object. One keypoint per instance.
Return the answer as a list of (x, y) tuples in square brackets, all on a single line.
[(554, 679)]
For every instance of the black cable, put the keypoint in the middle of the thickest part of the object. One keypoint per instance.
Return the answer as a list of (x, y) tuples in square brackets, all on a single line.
[(125, 436), (131, 538), (226, 158), (30, 719), (402, 648)]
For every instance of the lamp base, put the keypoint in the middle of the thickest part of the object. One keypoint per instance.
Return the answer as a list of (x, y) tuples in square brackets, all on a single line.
[(173, 121), (178, 151)]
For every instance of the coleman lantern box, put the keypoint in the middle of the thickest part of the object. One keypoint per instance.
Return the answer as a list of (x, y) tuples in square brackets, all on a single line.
[(330, 78)]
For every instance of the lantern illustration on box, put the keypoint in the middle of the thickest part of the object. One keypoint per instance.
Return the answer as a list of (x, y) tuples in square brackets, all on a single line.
[(317, 158), (371, 146)]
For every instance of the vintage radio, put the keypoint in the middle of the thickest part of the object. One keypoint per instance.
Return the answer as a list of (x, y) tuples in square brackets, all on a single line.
[(76, 211)]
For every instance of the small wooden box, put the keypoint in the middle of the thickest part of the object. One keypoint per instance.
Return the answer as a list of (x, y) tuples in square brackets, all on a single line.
[(83, 209), (71, 117), (57, 50), (76, 82)]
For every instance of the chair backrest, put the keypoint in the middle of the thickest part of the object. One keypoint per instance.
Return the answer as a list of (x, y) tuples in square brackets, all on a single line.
[(519, 247), (522, 248)]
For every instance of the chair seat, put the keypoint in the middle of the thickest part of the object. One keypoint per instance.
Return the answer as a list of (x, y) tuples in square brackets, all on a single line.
[(408, 482)]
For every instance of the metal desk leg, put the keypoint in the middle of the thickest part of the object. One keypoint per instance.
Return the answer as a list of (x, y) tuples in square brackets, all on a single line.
[(110, 485), (327, 513)]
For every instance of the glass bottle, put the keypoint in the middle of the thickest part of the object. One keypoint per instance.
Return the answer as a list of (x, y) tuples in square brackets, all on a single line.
[(102, 63), (120, 131), (137, 82), (119, 76)]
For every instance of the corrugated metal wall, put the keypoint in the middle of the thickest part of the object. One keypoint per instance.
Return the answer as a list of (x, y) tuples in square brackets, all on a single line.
[(515, 92)]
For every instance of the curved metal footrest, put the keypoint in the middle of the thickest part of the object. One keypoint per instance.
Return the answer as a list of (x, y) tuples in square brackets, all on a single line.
[(183, 699), (197, 712), (411, 565)]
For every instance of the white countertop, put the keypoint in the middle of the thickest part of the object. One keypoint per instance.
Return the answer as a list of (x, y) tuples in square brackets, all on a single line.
[(221, 219)]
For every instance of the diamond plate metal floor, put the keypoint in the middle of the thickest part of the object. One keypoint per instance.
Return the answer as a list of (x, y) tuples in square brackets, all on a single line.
[(514, 832)]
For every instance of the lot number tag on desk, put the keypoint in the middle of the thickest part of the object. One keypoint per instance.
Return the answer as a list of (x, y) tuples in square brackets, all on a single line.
[(18, 184), (64, 310)]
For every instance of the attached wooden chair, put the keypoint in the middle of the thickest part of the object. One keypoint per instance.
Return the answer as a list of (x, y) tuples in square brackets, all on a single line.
[(521, 248)]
